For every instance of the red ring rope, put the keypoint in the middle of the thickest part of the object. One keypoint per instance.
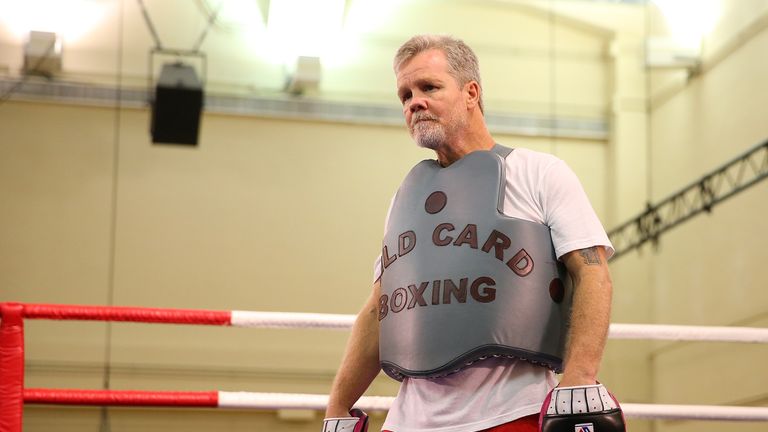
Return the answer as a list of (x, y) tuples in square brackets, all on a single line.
[(122, 313), (122, 398)]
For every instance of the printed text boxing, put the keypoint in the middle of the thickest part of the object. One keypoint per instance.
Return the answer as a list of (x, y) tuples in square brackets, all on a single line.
[(441, 292)]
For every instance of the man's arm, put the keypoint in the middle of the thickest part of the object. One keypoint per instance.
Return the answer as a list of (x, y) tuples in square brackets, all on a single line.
[(590, 315), (360, 363)]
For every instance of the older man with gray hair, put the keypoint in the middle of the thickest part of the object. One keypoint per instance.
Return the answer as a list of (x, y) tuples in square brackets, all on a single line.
[(493, 276)]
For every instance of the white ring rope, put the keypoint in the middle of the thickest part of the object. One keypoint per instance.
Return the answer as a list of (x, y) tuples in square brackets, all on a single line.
[(287, 320), (382, 403), (291, 320), (688, 333), (695, 412)]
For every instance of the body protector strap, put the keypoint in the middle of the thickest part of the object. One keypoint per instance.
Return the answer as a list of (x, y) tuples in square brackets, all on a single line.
[(461, 281)]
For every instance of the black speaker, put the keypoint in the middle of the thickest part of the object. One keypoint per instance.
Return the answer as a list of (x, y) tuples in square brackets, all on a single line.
[(177, 106)]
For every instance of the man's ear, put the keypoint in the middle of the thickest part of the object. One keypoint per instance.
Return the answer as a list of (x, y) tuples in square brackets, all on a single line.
[(472, 92)]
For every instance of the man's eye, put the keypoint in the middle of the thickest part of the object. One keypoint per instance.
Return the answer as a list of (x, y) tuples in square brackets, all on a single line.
[(404, 97)]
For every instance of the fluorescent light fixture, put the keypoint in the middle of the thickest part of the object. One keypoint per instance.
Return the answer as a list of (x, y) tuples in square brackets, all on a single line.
[(328, 29), (309, 28), (690, 20), (70, 19)]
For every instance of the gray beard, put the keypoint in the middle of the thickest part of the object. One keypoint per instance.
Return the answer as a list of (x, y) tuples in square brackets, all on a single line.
[(430, 137)]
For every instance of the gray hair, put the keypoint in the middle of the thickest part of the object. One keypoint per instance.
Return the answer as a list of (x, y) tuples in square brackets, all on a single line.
[(462, 61)]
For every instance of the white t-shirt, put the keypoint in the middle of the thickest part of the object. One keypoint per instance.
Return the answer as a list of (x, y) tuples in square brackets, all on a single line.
[(539, 188)]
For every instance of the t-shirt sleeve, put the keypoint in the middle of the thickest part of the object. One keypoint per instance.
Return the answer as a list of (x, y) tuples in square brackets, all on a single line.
[(568, 212)]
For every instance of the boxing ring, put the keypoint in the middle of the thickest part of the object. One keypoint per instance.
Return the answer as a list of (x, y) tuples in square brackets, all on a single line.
[(13, 394)]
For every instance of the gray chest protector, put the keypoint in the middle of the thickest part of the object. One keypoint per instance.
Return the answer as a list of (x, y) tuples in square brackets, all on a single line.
[(461, 281)]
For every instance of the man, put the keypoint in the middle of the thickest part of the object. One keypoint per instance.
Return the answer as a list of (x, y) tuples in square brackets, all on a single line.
[(471, 307)]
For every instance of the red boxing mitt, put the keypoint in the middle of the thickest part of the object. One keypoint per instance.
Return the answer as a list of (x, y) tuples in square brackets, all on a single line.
[(588, 408), (356, 422)]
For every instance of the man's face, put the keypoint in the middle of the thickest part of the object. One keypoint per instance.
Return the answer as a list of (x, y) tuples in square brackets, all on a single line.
[(432, 99)]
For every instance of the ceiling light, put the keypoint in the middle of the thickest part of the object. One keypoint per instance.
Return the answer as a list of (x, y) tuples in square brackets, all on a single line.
[(689, 20), (71, 20), (309, 28)]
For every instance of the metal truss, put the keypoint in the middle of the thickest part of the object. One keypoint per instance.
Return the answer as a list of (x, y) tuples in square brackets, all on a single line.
[(700, 196)]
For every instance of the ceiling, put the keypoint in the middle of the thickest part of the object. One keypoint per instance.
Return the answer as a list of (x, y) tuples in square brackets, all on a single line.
[(111, 42), (95, 31)]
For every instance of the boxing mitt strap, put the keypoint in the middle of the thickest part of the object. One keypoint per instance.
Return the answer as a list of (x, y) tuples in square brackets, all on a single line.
[(581, 409)]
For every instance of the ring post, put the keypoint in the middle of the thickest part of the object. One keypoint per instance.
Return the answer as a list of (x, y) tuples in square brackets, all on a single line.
[(11, 366)]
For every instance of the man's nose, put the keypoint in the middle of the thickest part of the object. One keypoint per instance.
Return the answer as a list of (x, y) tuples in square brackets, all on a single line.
[(418, 103)]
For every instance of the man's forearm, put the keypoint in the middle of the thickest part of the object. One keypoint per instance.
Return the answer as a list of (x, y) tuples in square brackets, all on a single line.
[(360, 363), (590, 318)]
